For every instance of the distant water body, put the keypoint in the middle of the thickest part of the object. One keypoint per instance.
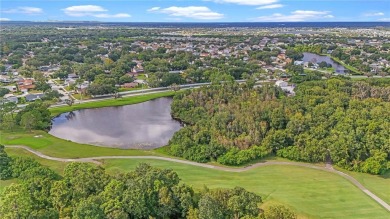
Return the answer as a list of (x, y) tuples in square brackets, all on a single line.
[(212, 25), (314, 58)]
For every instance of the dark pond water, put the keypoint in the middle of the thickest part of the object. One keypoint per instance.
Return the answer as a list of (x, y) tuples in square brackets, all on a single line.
[(314, 58), (145, 125)]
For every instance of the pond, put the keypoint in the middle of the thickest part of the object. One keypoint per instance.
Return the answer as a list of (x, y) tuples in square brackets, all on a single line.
[(314, 58), (144, 125)]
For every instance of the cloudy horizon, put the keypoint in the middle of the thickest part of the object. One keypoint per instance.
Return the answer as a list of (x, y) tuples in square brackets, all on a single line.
[(195, 11)]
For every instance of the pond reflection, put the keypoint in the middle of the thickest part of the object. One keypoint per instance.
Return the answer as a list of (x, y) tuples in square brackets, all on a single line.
[(314, 58), (143, 126)]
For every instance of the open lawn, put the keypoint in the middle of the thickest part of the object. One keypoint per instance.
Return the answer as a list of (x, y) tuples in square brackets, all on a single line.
[(57, 147), (54, 165), (312, 193), (79, 97), (110, 102), (141, 77), (380, 185)]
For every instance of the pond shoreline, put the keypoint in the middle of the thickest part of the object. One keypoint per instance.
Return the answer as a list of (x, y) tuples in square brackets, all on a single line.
[(144, 126), (123, 101), (350, 70)]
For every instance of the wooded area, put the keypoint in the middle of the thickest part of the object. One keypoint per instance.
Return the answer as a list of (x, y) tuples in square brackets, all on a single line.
[(338, 119)]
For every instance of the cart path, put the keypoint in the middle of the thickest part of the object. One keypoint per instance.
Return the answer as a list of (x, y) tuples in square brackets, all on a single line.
[(328, 167)]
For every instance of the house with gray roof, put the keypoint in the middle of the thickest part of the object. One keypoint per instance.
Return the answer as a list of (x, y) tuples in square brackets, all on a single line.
[(33, 97)]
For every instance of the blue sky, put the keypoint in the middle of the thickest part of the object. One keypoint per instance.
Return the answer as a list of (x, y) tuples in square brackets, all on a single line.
[(195, 11)]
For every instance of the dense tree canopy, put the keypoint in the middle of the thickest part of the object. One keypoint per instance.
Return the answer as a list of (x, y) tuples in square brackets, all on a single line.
[(339, 119), (34, 116)]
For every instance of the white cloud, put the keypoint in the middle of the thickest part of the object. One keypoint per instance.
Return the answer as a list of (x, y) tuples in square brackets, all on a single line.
[(24, 10), (92, 11), (247, 2), (270, 6), (309, 13), (296, 16), (154, 9), (374, 14), (384, 19), (329, 16), (83, 10), (195, 12), (119, 15), (4, 19)]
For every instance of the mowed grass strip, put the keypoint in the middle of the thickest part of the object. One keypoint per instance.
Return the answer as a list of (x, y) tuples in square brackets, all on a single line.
[(54, 165), (56, 147), (110, 102), (311, 193), (379, 185)]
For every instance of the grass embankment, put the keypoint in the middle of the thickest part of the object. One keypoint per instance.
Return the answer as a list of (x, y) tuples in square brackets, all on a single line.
[(78, 96), (56, 147), (353, 70), (110, 102)]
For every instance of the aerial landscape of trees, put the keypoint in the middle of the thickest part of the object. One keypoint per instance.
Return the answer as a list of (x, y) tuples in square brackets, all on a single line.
[(34, 116), (340, 120), (87, 191), (243, 118)]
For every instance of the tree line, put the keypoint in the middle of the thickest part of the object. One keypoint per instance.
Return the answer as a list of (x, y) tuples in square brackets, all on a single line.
[(338, 119), (34, 116)]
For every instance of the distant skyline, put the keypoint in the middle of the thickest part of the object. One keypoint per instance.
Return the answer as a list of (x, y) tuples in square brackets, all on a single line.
[(195, 11)]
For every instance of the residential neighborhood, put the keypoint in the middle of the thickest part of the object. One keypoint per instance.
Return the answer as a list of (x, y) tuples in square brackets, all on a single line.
[(80, 70)]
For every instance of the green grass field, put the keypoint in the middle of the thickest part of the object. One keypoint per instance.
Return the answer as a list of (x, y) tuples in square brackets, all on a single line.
[(54, 165), (312, 193), (57, 147), (380, 185), (110, 102)]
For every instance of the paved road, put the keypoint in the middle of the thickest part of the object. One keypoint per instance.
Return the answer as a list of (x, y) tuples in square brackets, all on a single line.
[(144, 92), (328, 167)]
